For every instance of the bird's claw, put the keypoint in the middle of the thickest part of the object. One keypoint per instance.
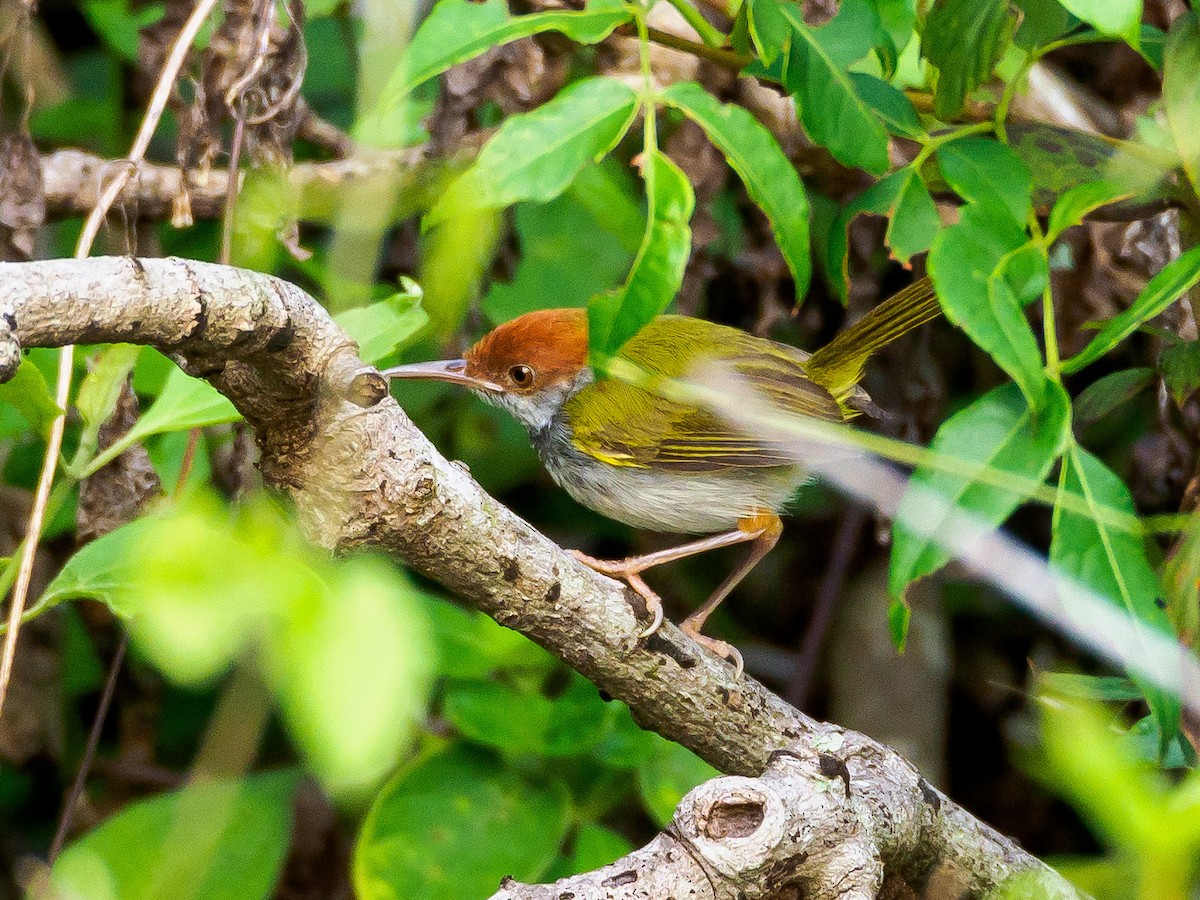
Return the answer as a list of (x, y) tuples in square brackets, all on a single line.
[(727, 652), (621, 570)]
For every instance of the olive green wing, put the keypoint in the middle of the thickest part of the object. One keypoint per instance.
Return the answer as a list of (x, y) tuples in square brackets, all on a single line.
[(626, 425)]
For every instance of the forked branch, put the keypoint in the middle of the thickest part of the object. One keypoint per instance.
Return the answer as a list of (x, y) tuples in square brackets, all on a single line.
[(829, 813)]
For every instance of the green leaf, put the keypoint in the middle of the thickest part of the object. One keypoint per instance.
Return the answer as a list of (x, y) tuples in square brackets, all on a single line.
[(535, 155), (28, 393), (1091, 551), (667, 775), (1119, 18), (1061, 159), (1042, 21), (899, 618), (890, 104), (223, 840), (102, 385), (814, 71), (754, 153), (452, 825), (184, 402), (98, 570), (987, 172), (998, 433), (1108, 394), (1109, 688), (1165, 288), (383, 327), (657, 272), (1180, 367), (350, 666), (1081, 200), (879, 199), (967, 265), (344, 645), (458, 30), (572, 248), (594, 847), (1181, 92), (118, 25), (471, 645), (517, 721), (914, 222), (964, 39)]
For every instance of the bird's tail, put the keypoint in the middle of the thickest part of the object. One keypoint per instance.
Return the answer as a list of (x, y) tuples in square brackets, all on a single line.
[(838, 366)]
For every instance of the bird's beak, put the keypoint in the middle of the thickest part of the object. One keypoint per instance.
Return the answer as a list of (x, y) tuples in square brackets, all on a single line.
[(453, 371)]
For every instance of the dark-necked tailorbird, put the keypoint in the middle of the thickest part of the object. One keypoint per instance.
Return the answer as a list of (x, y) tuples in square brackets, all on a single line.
[(661, 464)]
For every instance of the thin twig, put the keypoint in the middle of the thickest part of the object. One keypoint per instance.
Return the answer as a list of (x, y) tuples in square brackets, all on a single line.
[(89, 752), (844, 540), (231, 186), (66, 357)]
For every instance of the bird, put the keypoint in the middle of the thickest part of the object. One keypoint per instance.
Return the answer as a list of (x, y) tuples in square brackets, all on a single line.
[(628, 452)]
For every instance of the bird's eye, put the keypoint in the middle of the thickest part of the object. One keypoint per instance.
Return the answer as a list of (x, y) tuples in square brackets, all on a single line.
[(521, 375)]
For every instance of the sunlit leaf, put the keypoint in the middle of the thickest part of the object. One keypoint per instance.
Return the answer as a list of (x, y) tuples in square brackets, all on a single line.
[(988, 172), (452, 825), (998, 433), (813, 68), (458, 30), (966, 265), (657, 272), (1109, 560), (222, 840), (964, 39), (535, 155), (351, 669), (184, 402), (382, 327), (770, 178), (100, 388), (1076, 203), (1178, 276), (1181, 91), (100, 569), (1119, 18), (29, 394)]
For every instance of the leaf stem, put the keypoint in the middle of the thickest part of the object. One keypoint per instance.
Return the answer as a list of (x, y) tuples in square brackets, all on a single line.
[(947, 137), (709, 33), (1049, 326)]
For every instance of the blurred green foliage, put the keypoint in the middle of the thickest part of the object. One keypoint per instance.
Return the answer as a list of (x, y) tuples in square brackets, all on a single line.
[(458, 751)]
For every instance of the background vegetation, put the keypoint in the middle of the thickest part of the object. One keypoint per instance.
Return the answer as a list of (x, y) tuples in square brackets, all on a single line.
[(344, 726)]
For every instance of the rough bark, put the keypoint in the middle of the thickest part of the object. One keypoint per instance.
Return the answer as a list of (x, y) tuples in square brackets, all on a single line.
[(361, 475)]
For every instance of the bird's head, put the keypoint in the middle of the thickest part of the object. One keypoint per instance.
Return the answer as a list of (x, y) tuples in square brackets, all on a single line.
[(530, 366)]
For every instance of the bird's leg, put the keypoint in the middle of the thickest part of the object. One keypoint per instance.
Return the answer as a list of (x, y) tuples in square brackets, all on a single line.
[(629, 570), (763, 530)]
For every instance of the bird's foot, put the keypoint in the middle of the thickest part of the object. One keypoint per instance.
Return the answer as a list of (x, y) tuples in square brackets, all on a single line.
[(726, 651), (628, 571)]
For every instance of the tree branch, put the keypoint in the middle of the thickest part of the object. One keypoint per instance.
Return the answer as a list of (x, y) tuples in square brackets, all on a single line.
[(361, 475)]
